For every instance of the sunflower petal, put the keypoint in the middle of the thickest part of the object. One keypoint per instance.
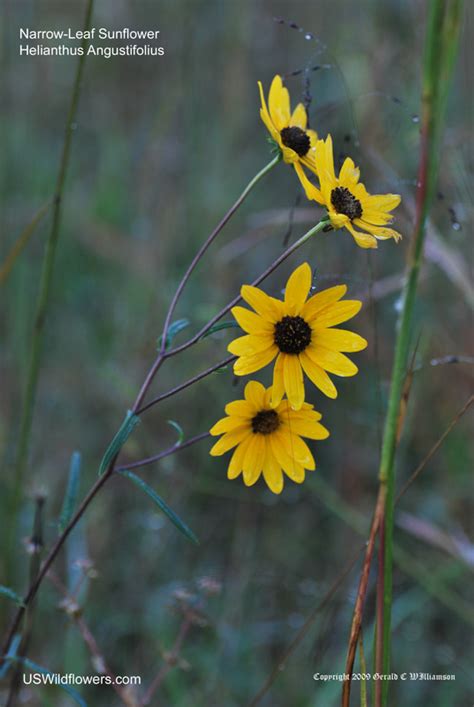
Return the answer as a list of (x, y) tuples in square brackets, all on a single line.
[(363, 240), (255, 394), (311, 191), (229, 440), (337, 313), (289, 465), (318, 376), (299, 117), (279, 103), (235, 465), (293, 381), (253, 460), (278, 387), (297, 289), (265, 116), (309, 429), (240, 408), (349, 174), (297, 449), (382, 202), (250, 322), (318, 302), (249, 364), (268, 307), (227, 424), (250, 344), (332, 361), (340, 340), (272, 471)]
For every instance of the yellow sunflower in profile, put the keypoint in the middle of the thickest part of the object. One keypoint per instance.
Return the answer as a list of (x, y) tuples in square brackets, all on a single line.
[(299, 334), (288, 129), (267, 439), (347, 200)]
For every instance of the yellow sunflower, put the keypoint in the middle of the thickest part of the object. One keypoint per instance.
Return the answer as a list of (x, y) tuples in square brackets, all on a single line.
[(288, 129), (347, 200), (267, 439), (299, 333)]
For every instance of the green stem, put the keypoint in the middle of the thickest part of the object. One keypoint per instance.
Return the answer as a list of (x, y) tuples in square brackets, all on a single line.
[(441, 43), (43, 296)]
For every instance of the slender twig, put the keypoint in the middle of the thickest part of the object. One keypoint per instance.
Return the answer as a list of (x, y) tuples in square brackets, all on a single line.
[(286, 254), (36, 344), (171, 660), (186, 384), (435, 447), (164, 337), (165, 453), (21, 242), (75, 614)]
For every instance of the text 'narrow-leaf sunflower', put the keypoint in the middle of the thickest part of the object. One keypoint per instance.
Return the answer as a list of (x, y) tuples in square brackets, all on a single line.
[(288, 129), (347, 201), (298, 332), (268, 440)]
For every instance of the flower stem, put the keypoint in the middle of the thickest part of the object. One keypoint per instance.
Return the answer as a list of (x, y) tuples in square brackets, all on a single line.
[(43, 295), (441, 44), (210, 239)]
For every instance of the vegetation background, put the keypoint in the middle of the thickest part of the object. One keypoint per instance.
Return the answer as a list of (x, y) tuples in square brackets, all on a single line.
[(162, 148)]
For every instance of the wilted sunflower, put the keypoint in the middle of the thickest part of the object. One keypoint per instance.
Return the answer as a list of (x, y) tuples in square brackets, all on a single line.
[(267, 439), (288, 129), (347, 200), (299, 334)]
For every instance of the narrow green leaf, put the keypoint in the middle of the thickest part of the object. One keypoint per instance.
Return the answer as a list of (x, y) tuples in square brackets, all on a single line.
[(7, 592), (39, 669), (178, 429), (125, 430), (72, 491), (173, 329), (219, 327), (162, 505)]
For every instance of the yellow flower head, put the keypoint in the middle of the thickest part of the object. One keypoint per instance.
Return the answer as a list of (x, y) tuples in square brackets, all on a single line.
[(267, 439), (299, 334), (287, 129), (347, 200)]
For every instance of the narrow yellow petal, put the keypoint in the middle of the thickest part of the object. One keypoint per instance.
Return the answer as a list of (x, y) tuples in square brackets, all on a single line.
[(318, 302), (299, 117), (250, 322), (240, 408), (311, 191), (382, 202), (265, 116), (337, 313), (318, 376), (349, 173), (253, 460), (279, 103), (289, 465), (293, 381), (268, 307), (298, 450), (250, 344), (249, 364), (235, 465), (385, 233), (255, 394), (332, 361), (227, 424), (363, 240), (339, 340), (297, 289), (310, 429), (278, 387), (272, 471), (229, 440)]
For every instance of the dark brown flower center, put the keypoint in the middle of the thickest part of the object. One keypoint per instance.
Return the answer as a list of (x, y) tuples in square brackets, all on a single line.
[(345, 203), (265, 422), (292, 335), (297, 139)]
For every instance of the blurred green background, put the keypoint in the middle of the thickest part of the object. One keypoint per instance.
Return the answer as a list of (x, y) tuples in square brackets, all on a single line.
[(162, 148)]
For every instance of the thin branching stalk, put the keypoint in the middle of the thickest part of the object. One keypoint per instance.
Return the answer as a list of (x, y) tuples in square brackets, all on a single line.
[(197, 258), (46, 279), (111, 468)]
